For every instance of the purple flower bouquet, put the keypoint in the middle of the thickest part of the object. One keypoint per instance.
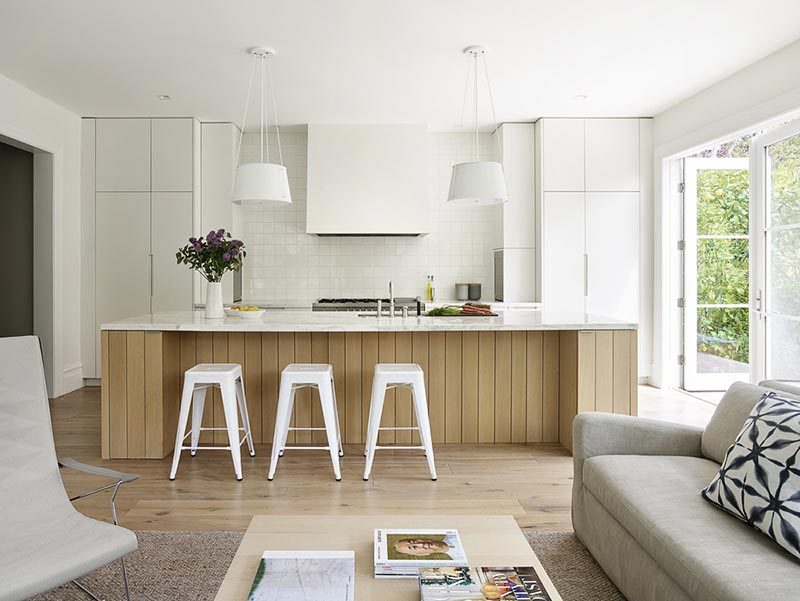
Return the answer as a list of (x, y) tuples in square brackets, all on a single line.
[(213, 255)]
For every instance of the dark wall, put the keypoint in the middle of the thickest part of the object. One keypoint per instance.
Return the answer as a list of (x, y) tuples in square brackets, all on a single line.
[(16, 229)]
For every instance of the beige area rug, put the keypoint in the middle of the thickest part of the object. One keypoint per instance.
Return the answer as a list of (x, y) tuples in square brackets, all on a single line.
[(189, 566)]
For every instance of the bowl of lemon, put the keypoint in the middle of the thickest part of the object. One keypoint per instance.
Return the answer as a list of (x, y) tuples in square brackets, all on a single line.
[(245, 311)]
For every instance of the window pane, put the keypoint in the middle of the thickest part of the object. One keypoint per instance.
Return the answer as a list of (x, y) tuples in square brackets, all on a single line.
[(784, 160), (784, 271), (783, 342), (722, 271), (723, 201), (722, 340)]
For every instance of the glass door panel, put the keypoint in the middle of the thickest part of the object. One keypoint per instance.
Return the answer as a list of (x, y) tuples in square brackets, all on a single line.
[(716, 268)]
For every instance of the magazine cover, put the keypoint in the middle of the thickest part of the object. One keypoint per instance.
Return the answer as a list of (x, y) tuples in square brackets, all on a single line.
[(481, 584), (419, 547), (305, 576)]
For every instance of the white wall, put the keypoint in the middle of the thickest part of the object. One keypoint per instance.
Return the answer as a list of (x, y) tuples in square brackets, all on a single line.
[(35, 121), (286, 266), (761, 93)]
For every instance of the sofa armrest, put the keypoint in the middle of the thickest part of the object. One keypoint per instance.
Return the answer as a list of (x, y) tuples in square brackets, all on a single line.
[(609, 434)]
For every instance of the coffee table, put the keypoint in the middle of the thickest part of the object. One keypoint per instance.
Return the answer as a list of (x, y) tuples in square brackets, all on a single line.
[(489, 540)]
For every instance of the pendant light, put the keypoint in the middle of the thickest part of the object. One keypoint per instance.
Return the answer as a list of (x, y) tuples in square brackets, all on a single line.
[(256, 184), (477, 182)]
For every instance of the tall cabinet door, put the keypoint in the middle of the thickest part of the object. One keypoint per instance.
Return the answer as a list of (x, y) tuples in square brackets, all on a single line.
[(563, 252), (612, 248), (122, 256), (171, 228)]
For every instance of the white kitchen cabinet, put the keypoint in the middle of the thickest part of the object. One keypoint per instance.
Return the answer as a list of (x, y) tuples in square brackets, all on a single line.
[(612, 250), (122, 258), (563, 157), (122, 151), (171, 157), (171, 227), (612, 155), (563, 252)]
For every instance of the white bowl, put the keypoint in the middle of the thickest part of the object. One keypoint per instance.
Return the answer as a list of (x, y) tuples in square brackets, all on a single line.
[(251, 314), (232, 312)]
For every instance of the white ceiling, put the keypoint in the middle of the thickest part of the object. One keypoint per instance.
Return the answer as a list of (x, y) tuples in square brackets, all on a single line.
[(384, 61)]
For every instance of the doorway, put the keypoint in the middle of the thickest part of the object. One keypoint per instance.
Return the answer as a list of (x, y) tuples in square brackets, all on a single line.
[(716, 268), (775, 160)]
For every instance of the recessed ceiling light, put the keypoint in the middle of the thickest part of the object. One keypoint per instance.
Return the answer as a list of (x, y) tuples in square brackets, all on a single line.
[(164, 97), (581, 96)]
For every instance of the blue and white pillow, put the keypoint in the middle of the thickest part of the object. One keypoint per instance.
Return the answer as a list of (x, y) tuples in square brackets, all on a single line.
[(759, 481)]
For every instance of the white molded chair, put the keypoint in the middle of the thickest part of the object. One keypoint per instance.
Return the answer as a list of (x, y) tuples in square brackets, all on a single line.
[(44, 541), (228, 377), (307, 375), (393, 375)]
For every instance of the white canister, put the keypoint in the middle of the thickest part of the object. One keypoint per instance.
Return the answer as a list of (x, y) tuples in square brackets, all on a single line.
[(462, 292)]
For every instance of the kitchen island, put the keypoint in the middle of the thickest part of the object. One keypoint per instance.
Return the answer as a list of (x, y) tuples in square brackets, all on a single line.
[(520, 377)]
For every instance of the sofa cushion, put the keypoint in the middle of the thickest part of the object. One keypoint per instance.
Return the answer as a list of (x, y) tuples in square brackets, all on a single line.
[(709, 554), (728, 418), (759, 481)]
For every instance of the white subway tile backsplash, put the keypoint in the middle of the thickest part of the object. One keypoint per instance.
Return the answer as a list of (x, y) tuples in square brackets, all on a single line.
[(285, 265)]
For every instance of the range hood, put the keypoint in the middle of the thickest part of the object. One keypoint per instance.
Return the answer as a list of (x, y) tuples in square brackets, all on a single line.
[(368, 180)]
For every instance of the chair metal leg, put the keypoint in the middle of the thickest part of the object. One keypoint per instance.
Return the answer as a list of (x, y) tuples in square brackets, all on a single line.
[(124, 584)]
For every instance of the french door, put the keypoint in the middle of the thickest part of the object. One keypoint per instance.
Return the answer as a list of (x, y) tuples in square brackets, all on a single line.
[(775, 294), (716, 272)]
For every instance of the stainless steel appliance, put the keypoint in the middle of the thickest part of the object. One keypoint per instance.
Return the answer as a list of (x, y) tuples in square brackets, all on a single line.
[(366, 305)]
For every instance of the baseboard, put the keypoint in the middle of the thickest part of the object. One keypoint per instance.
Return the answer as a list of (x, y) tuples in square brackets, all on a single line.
[(72, 377), (91, 381)]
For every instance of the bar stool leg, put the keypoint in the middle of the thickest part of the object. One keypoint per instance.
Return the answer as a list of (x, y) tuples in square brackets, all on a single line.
[(232, 423), (198, 405), (336, 412), (245, 416), (281, 426), (375, 411), (421, 410), (289, 414), (183, 417), (329, 415)]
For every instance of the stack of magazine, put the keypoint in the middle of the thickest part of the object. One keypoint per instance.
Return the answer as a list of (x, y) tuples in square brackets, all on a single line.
[(466, 584), (402, 553), (305, 576)]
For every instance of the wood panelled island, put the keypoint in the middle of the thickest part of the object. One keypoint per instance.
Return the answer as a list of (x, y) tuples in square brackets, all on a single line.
[(520, 377)]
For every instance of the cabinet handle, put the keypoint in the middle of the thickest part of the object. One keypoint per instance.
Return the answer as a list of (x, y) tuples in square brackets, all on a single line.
[(585, 274), (151, 275)]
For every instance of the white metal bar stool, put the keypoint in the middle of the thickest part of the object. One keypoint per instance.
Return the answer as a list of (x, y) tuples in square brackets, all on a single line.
[(307, 375), (394, 375), (228, 377)]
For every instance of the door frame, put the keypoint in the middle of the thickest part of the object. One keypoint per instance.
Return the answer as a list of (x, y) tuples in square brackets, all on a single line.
[(759, 271)]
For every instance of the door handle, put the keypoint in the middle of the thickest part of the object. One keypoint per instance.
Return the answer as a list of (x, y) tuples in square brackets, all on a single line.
[(585, 274)]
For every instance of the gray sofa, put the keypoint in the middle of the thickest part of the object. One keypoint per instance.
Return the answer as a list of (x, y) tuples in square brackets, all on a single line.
[(637, 507)]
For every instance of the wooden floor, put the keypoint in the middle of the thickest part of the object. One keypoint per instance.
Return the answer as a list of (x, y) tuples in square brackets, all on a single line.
[(531, 482)]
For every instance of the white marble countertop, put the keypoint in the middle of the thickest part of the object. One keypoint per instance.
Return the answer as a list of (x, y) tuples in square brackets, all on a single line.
[(334, 321)]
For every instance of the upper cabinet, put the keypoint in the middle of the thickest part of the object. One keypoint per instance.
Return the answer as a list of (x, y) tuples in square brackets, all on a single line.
[(171, 158), (367, 179), (122, 149), (612, 155), (563, 163)]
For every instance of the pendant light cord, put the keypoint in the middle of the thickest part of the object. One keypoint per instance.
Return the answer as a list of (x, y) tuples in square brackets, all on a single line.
[(275, 112), (476, 152), (494, 116), (244, 117)]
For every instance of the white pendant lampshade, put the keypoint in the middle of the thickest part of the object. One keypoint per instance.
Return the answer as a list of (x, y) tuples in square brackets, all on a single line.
[(257, 183), (477, 182), (264, 182)]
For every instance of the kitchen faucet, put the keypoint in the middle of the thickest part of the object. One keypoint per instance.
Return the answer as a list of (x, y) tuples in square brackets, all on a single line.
[(391, 299)]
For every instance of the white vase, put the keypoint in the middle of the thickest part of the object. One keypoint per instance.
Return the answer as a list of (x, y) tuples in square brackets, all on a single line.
[(214, 308)]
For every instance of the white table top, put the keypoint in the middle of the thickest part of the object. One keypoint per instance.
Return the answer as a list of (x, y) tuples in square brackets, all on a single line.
[(332, 321), (489, 540)]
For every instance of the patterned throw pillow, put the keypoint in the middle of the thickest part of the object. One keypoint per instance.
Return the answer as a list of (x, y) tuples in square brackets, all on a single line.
[(759, 481)]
